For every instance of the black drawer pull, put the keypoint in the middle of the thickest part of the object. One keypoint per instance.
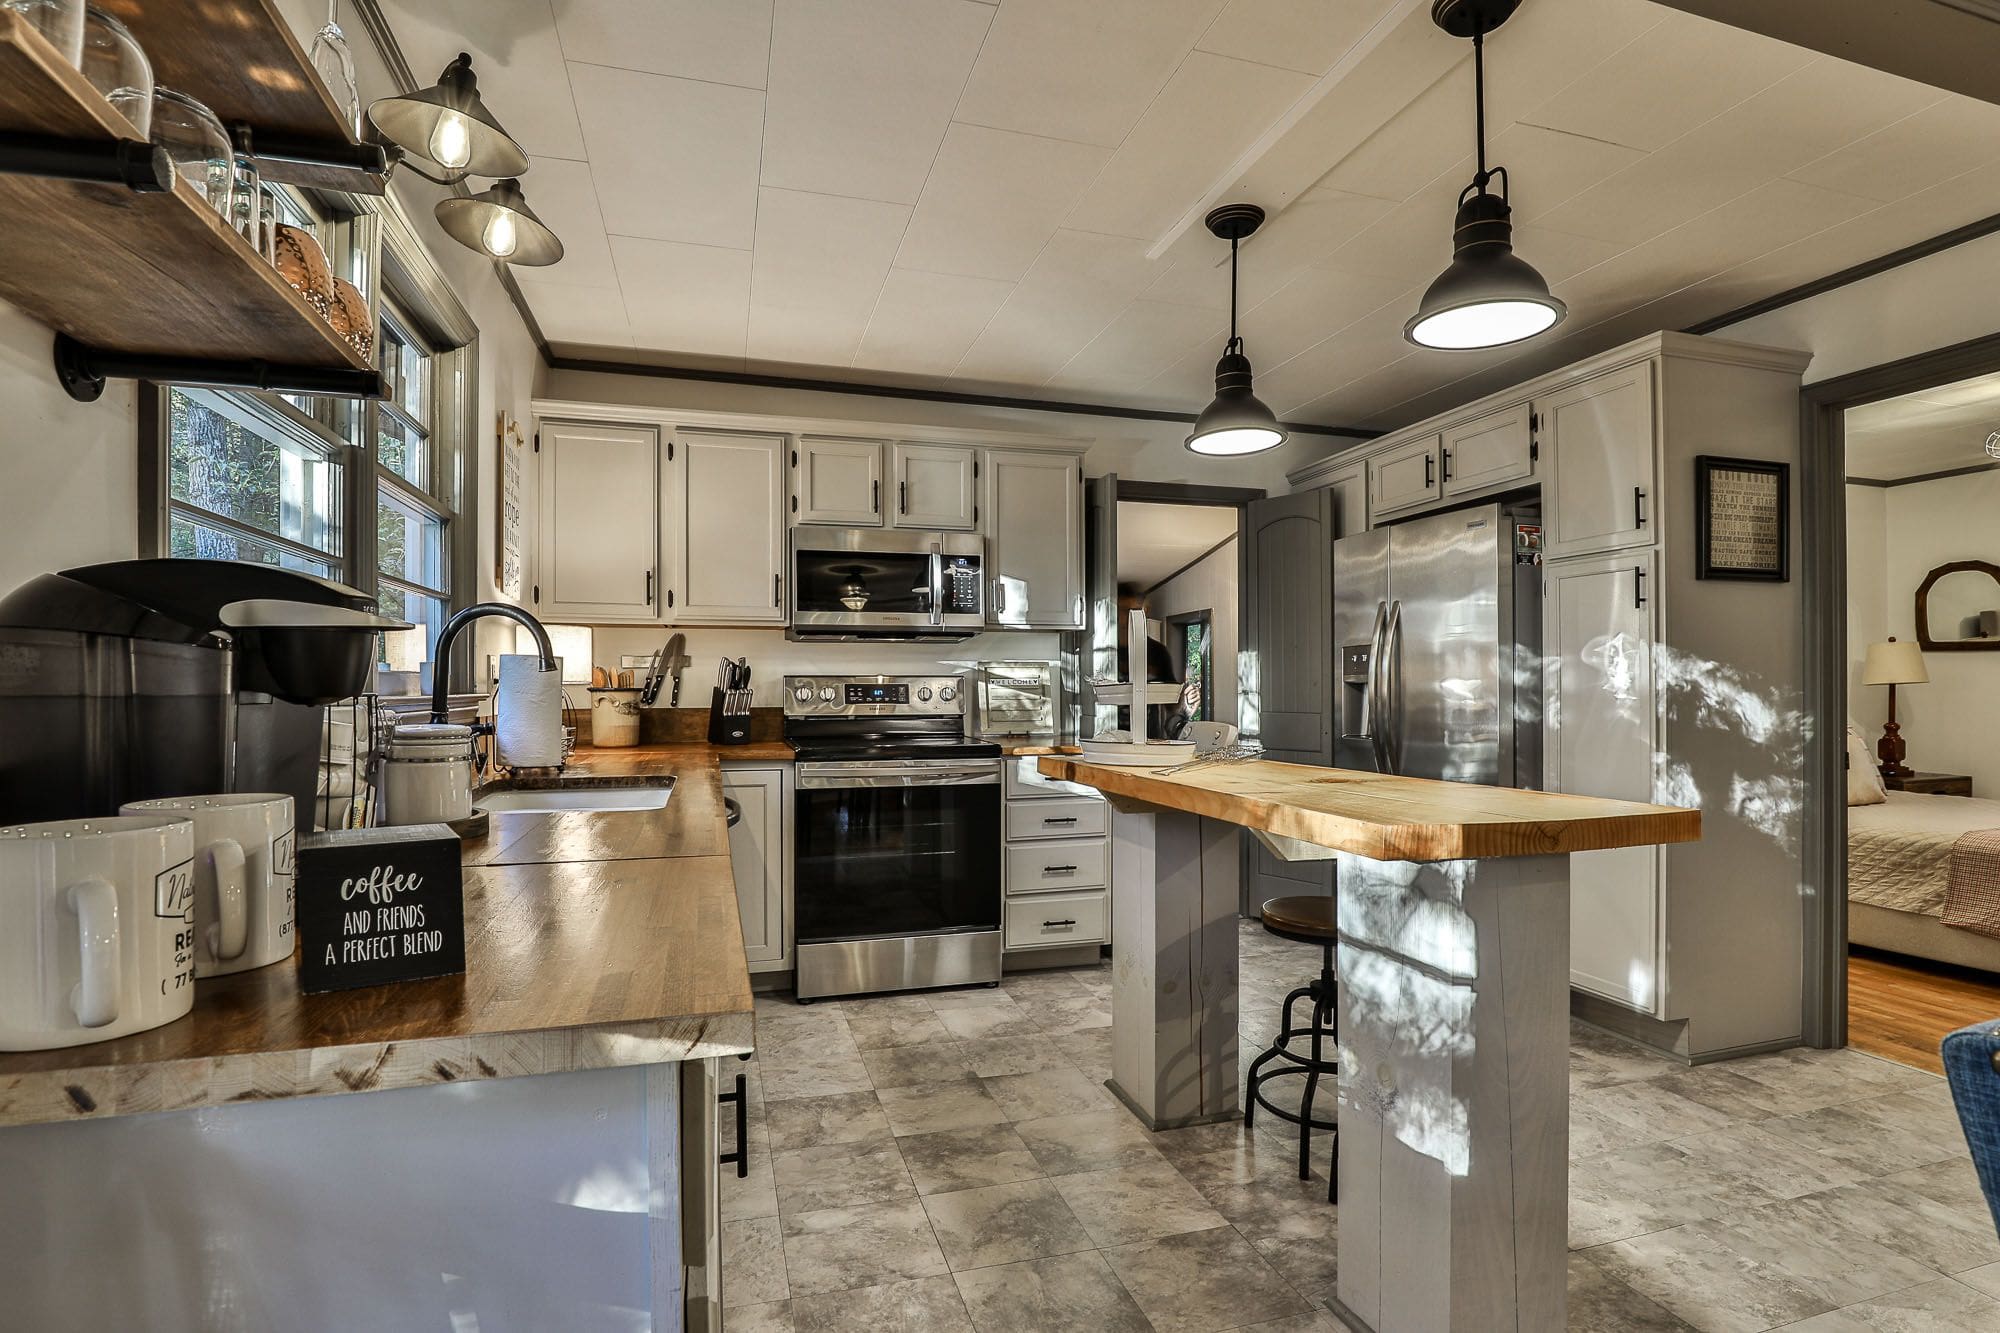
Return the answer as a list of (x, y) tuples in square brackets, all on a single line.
[(741, 1157), (1058, 870), (1067, 921), (1638, 587), (1060, 819)]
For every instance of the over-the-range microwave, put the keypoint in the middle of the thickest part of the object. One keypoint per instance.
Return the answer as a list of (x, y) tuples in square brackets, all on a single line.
[(877, 583)]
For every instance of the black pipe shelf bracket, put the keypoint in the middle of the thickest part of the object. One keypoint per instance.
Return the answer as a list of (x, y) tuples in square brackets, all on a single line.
[(143, 167), (82, 371)]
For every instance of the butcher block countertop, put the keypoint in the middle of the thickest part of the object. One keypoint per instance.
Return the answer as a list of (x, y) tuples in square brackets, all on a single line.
[(1389, 818), (591, 940)]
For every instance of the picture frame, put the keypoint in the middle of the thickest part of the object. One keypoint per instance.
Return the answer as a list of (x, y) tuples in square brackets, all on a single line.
[(1743, 519)]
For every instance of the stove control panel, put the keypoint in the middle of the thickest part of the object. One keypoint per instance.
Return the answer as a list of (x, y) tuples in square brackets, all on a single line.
[(873, 696)]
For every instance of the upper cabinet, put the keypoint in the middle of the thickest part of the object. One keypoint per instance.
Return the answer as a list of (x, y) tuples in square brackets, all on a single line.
[(730, 493), (935, 487), (1487, 451), (838, 482), (1032, 510), (1404, 477), (600, 526), (1599, 484)]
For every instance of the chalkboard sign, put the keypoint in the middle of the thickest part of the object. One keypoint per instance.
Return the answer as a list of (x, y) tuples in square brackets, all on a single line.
[(377, 905)]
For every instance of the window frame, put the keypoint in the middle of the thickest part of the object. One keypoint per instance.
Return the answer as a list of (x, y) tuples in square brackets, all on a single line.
[(1178, 626)]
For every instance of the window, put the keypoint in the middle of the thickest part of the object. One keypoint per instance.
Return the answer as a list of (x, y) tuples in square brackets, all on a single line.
[(1189, 638), (412, 565), (250, 478)]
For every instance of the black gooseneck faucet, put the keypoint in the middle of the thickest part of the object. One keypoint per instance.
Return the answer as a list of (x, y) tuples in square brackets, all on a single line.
[(441, 668)]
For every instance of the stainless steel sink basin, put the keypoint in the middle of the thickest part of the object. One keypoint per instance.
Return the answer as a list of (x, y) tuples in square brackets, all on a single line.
[(565, 800)]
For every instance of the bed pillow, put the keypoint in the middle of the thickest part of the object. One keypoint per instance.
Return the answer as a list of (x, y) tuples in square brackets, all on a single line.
[(1864, 783)]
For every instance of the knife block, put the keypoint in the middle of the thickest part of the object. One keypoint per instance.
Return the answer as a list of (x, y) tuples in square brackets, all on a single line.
[(727, 727)]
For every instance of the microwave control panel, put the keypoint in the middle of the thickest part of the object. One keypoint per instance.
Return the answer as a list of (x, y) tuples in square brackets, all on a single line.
[(961, 585)]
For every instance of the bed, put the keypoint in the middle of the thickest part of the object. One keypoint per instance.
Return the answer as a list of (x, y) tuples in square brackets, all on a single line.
[(1898, 861)]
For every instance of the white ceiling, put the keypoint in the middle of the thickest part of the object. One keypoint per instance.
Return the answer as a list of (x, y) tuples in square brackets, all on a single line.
[(1936, 430), (1006, 197), (1156, 540)]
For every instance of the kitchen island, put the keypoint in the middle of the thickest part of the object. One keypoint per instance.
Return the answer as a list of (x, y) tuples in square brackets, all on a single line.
[(1452, 956), (243, 1183)]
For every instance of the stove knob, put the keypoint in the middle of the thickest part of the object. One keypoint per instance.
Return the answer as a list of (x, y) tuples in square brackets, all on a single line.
[(923, 694), (947, 694), (803, 694), (827, 694)]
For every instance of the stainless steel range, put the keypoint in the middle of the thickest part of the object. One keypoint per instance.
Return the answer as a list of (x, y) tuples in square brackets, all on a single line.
[(896, 843)]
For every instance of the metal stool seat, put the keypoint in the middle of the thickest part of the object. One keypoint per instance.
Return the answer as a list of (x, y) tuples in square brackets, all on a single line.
[(1308, 920)]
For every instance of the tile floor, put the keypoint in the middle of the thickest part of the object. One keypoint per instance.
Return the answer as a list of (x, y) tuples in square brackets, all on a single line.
[(951, 1161)]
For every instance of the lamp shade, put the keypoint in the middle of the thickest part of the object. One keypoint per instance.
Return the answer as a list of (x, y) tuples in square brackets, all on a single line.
[(1894, 663), (446, 123), (1489, 296), (1237, 421), (499, 223)]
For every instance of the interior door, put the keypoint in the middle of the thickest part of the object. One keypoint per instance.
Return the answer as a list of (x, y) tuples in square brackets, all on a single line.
[(1286, 661)]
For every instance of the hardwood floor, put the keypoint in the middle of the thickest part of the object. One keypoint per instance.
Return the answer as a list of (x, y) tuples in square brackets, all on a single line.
[(1900, 1008)]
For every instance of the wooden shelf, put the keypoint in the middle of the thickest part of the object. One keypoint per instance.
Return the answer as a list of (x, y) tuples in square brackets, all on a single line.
[(143, 274)]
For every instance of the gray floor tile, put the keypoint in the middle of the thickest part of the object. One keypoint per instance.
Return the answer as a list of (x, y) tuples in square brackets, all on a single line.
[(1650, 1188), (916, 1305), (999, 1018), (959, 1159), (992, 1057), (1004, 1224), (1087, 1141), (840, 1175), (1949, 1238), (752, 1195), (902, 1020), (1943, 1306), (753, 1262), (806, 1122), (903, 1066), (770, 1317), (1135, 1203), (1071, 1293), (1199, 1281), (840, 1249), (1837, 1264), (930, 1107), (1709, 1286), (1048, 1092), (1600, 1303)]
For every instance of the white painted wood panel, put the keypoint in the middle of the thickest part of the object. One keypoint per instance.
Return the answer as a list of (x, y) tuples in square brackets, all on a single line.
[(1598, 467), (731, 528), (1055, 920), (600, 522), (1405, 477), (839, 481), (935, 489), (1072, 817), (1491, 451), (1033, 517), (1056, 865), (758, 859)]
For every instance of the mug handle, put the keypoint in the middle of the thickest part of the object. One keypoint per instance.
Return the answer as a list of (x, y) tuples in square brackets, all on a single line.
[(95, 997), (231, 891)]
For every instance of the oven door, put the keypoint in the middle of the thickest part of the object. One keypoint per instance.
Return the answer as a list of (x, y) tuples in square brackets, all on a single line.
[(896, 848)]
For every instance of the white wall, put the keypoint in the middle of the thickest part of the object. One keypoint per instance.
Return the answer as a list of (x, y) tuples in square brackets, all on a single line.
[(1209, 585)]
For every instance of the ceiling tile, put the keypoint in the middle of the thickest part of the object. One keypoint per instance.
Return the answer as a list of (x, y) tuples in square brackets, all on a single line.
[(1145, 338), (564, 196), (820, 263), (1080, 72), (1306, 35), (1079, 283), (1546, 167), (515, 54), (1309, 229), (924, 322), (861, 92), (674, 160), (1318, 302), (684, 298), (691, 39), (1946, 139), (576, 314), (1211, 110), (992, 201)]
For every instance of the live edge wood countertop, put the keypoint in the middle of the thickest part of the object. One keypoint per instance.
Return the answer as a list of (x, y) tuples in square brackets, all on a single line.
[(1389, 818), (591, 940)]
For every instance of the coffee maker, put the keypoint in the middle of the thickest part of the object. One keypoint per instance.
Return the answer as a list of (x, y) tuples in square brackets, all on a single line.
[(149, 678)]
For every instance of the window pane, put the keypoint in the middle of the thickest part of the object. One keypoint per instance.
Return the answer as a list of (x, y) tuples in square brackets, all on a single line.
[(410, 649), (225, 459), (401, 450), (406, 371), (409, 542), (189, 537)]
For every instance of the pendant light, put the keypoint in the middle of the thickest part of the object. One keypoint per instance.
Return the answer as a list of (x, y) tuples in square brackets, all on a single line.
[(499, 222), (1236, 422), (446, 124), (1489, 297)]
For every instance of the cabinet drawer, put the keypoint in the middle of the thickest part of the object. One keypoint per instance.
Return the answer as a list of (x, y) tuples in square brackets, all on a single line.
[(1055, 919), (1046, 866), (1025, 781), (1070, 817)]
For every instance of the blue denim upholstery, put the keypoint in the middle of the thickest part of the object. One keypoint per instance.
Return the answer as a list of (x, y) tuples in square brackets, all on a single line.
[(1969, 1062)]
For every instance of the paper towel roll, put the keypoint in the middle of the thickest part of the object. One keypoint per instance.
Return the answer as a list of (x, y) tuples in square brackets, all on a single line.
[(528, 726)]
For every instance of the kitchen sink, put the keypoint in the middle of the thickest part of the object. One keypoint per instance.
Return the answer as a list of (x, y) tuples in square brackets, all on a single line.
[(564, 800)]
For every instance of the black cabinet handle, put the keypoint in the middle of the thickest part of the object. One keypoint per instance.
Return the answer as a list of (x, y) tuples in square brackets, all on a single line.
[(1066, 921), (1638, 506), (1058, 870), (777, 586), (1430, 471), (740, 1159), (1060, 819), (874, 497), (902, 497), (649, 587), (1638, 587), (1446, 453), (670, 597)]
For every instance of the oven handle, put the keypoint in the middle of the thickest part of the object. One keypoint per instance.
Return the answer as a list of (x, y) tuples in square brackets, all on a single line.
[(823, 777)]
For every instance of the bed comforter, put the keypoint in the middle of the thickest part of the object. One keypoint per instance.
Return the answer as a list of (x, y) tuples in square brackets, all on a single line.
[(1899, 854)]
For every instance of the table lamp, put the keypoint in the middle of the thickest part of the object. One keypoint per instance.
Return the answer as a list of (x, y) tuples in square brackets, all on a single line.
[(1892, 664)]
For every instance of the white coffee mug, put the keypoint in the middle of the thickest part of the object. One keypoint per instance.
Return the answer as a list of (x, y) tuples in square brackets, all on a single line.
[(245, 896), (96, 929)]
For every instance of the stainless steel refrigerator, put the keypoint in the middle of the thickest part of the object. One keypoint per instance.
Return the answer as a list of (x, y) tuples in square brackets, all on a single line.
[(1437, 624)]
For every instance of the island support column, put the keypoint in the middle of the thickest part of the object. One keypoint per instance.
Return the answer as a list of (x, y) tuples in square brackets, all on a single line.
[(1454, 1094), (1173, 959)]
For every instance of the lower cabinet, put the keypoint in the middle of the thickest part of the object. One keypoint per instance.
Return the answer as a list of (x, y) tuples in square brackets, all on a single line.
[(760, 857), (1057, 862)]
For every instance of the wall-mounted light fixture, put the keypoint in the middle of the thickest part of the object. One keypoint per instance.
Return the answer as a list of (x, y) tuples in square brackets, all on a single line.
[(1236, 422)]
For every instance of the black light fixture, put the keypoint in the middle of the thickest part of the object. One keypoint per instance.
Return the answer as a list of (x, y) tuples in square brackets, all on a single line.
[(1490, 296), (446, 124), (1236, 422), (499, 222)]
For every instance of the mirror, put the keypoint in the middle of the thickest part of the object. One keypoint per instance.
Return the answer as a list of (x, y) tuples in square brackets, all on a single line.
[(1958, 608)]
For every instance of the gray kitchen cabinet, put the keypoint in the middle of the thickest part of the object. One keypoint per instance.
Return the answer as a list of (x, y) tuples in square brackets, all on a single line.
[(1056, 862), (1598, 476), (936, 487), (1405, 477), (759, 858), (1602, 735), (1349, 490), (1487, 451), (727, 496), (838, 482), (1032, 510), (599, 540)]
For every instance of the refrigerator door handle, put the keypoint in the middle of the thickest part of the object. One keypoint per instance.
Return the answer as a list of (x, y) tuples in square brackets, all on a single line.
[(1364, 728), (1392, 688), (1378, 702)]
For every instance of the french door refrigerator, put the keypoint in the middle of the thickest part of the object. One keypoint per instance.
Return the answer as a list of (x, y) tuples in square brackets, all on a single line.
[(1437, 628)]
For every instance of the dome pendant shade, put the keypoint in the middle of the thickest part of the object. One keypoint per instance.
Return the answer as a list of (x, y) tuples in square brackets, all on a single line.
[(499, 223), (446, 124), (1490, 296), (1237, 422)]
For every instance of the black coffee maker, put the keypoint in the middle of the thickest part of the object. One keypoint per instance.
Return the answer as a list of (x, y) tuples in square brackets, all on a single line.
[(149, 678)]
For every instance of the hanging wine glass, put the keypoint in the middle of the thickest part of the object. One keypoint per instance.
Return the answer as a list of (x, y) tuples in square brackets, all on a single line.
[(335, 64)]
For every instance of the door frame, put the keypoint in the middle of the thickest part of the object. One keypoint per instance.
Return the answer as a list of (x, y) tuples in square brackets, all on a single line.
[(1823, 536)]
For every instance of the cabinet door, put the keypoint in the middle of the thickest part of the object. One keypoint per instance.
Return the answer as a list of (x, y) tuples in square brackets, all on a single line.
[(1404, 477), (600, 522), (1598, 438), (839, 482), (1602, 726), (757, 858), (732, 527), (1034, 539), (1491, 451), (1349, 489), (934, 487)]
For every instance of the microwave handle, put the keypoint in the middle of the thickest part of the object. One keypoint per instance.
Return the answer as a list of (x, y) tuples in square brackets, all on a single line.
[(937, 583)]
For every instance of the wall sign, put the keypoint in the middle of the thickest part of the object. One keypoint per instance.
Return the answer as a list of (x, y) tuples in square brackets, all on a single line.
[(1742, 520), (507, 548), (377, 905)]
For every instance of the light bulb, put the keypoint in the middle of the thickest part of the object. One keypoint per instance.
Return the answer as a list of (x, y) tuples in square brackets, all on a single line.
[(451, 141), (499, 238)]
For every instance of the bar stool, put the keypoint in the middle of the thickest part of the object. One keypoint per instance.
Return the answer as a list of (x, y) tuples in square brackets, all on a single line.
[(1308, 920)]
